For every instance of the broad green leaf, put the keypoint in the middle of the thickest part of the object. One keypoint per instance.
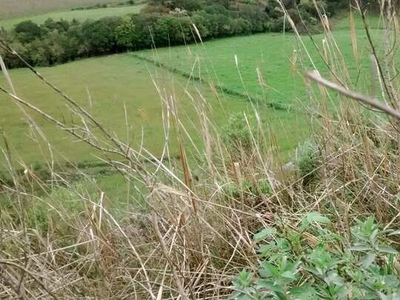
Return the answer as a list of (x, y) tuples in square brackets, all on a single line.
[(367, 260), (360, 247), (289, 275), (268, 270), (303, 292), (316, 217), (334, 278), (266, 232), (387, 249), (267, 284), (374, 235)]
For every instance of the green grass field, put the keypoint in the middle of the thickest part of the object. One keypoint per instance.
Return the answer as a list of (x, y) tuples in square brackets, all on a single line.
[(115, 80), (12, 8), (69, 15), (111, 82), (233, 62)]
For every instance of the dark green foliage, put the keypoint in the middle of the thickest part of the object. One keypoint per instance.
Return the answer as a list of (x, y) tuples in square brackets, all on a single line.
[(99, 36), (27, 31), (292, 266)]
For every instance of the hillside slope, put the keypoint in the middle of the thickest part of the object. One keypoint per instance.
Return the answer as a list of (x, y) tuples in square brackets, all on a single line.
[(11, 8)]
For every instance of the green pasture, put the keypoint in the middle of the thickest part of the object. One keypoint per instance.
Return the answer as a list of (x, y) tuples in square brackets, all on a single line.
[(81, 15), (236, 63), (13, 8), (102, 86)]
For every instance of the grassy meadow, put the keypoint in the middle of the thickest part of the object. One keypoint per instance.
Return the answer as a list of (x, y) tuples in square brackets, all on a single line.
[(236, 63), (103, 86), (81, 15), (263, 66), (11, 8)]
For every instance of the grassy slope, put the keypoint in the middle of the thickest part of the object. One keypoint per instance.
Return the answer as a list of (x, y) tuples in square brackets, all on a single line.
[(76, 14), (112, 81), (12, 8)]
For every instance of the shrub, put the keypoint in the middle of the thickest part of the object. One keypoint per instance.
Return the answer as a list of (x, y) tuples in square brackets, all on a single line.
[(308, 161), (313, 262), (237, 135)]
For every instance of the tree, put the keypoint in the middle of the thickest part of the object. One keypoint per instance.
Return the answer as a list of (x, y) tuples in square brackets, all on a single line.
[(27, 31), (60, 26), (99, 35), (171, 30), (126, 34)]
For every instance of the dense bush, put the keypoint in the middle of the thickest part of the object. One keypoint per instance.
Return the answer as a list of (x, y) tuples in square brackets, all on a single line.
[(313, 262), (161, 23)]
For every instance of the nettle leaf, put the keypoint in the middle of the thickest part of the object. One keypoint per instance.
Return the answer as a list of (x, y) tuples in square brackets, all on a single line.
[(367, 260), (373, 236), (334, 278), (361, 247), (267, 249), (268, 285), (289, 275), (391, 282), (266, 232), (303, 292), (316, 217), (268, 270), (387, 249)]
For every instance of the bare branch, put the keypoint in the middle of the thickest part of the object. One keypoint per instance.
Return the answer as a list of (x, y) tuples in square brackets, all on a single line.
[(373, 102)]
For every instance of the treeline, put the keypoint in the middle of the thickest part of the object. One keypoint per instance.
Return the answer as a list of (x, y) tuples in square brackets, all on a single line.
[(98, 6), (161, 23)]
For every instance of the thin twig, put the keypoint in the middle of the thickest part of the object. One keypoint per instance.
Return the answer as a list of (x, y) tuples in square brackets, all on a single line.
[(373, 102)]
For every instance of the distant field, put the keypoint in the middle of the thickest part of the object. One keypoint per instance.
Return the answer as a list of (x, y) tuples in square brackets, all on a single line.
[(9, 8), (113, 81), (233, 62), (69, 15)]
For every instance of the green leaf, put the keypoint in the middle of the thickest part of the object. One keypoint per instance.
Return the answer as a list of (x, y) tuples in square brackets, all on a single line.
[(367, 260), (303, 292), (268, 270), (266, 232), (316, 217), (387, 249), (334, 278), (267, 284), (373, 236), (289, 275), (360, 247)]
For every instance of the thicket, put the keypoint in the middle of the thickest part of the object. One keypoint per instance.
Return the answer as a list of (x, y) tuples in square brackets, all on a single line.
[(161, 23)]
